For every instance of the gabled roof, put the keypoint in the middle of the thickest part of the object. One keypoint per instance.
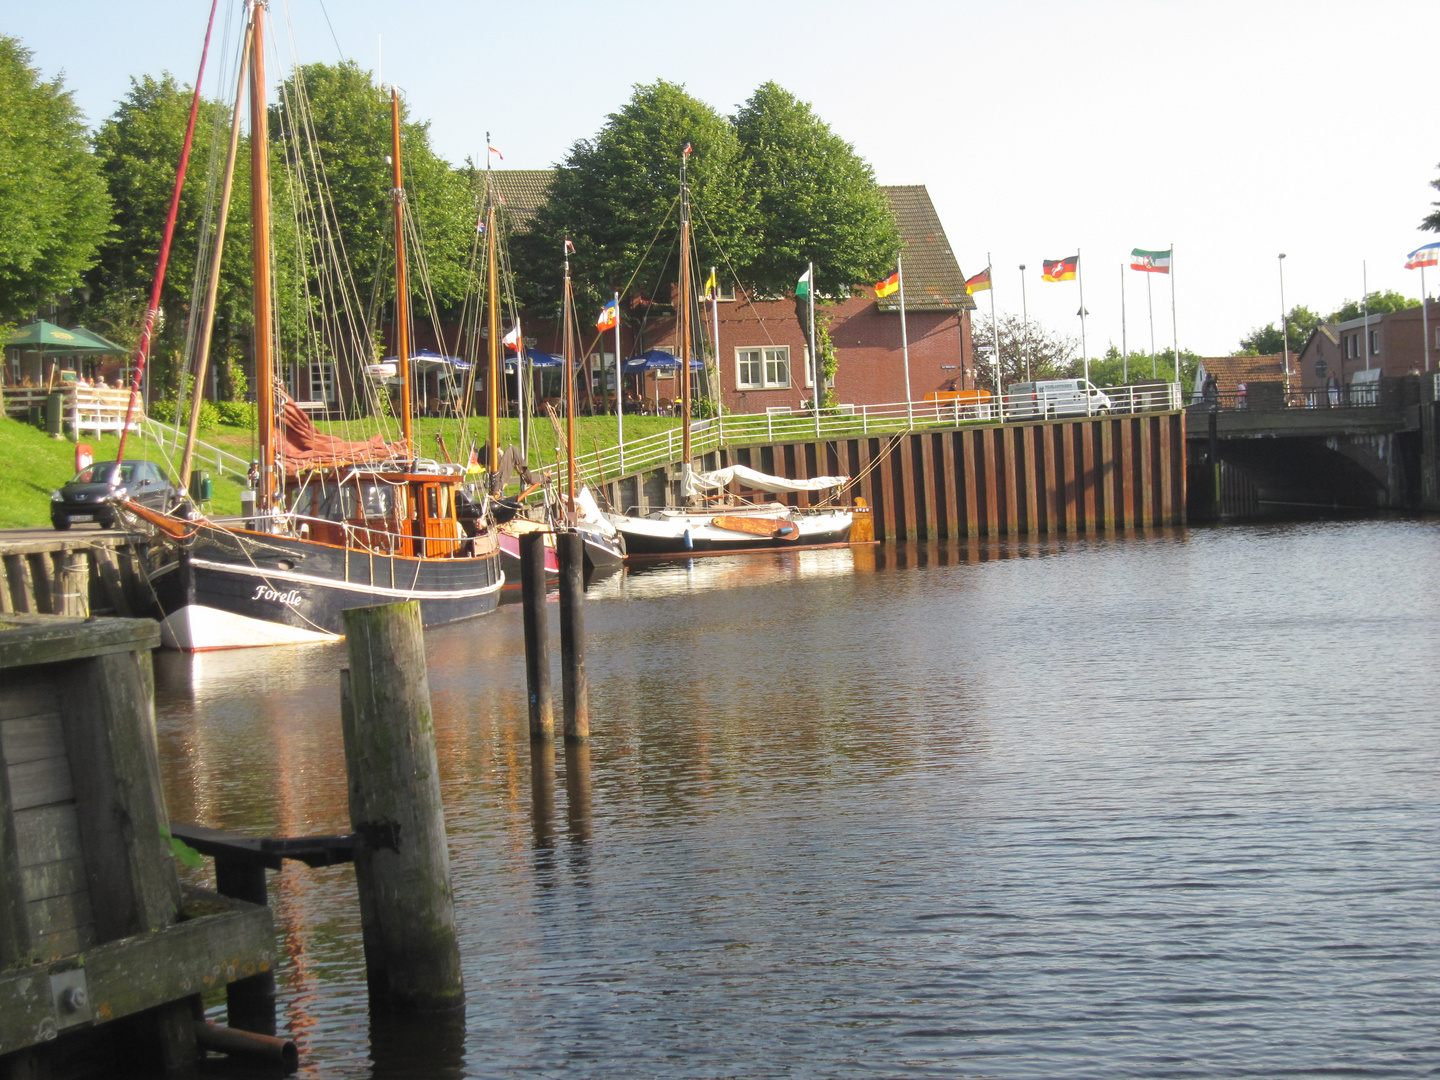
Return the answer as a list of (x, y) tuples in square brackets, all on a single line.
[(523, 192), (933, 279), (1231, 370)]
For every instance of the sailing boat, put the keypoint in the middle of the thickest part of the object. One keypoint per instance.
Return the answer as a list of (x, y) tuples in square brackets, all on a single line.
[(729, 526), (336, 523)]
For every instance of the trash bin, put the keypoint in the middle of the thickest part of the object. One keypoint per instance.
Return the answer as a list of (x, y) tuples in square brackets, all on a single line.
[(55, 414)]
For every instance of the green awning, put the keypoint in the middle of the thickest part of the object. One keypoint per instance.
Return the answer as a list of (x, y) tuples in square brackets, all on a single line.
[(56, 339)]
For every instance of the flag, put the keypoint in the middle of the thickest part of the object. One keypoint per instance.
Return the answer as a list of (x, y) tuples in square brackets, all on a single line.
[(609, 316), (802, 287), (1060, 269), (472, 464), (711, 289), (686, 151), (569, 247), (888, 286), (979, 283), (1425, 256), (1152, 262), (497, 153), (512, 339)]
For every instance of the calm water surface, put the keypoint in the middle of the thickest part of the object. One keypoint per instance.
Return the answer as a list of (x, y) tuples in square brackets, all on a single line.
[(1142, 806)]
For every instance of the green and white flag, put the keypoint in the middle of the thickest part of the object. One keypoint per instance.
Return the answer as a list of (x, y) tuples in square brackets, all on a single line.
[(802, 287), (1152, 262)]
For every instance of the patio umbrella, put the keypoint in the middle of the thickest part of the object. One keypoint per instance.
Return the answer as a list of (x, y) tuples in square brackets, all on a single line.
[(537, 359), (657, 360), (57, 339)]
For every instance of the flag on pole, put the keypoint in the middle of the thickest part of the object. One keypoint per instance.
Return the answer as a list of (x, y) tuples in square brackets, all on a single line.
[(979, 283), (1152, 262), (888, 286), (802, 287), (1425, 256), (711, 287), (1060, 269), (492, 150), (569, 247), (512, 339), (609, 316)]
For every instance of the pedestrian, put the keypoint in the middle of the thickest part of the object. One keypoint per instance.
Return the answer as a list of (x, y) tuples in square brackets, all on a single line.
[(1211, 390), (253, 476), (1332, 384), (1240, 394)]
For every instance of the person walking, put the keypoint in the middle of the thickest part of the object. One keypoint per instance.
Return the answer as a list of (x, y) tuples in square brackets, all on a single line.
[(1332, 386)]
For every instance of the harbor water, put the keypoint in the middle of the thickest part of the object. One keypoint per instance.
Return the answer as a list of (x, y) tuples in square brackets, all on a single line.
[(1147, 805)]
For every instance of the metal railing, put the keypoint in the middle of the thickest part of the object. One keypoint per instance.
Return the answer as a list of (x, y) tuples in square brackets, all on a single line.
[(851, 421), (1356, 396), (173, 443)]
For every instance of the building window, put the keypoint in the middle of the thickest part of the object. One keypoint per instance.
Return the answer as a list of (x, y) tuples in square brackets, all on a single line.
[(763, 368), (322, 381), (1374, 342)]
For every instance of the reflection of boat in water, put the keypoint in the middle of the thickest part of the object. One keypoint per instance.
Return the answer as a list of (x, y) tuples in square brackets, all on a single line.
[(336, 523), (751, 569), (725, 525)]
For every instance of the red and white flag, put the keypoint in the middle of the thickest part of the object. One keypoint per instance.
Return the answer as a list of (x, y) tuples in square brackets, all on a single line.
[(513, 339)]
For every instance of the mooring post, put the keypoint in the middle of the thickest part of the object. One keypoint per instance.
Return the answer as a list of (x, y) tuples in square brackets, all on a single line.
[(402, 869), (537, 636), (249, 1002), (570, 546), (1214, 455)]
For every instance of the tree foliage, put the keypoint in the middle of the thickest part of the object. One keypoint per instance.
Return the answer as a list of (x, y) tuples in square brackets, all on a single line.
[(616, 198), (817, 200), (1114, 369), (1268, 340), (1378, 303), (1049, 354), (1432, 221), (53, 207)]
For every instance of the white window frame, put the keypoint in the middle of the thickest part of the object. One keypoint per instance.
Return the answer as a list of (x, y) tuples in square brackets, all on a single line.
[(325, 371), (1374, 342), (768, 355)]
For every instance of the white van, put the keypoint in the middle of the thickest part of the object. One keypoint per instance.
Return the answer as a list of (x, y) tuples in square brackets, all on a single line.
[(1056, 397)]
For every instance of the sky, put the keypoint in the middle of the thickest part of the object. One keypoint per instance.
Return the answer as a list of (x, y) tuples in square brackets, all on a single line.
[(1233, 130)]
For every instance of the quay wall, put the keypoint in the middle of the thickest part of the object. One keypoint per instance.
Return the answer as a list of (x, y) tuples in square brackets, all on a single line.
[(1059, 476)]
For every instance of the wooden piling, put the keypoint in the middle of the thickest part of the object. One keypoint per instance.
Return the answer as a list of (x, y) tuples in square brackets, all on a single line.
[(412, 952), (574, 685), (537, 636)]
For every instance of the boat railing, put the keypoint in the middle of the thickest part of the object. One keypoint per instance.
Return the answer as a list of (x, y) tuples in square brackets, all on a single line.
[(850, 421)]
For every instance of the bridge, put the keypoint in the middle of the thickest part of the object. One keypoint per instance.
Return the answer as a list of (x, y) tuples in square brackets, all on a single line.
[(1370, 447)]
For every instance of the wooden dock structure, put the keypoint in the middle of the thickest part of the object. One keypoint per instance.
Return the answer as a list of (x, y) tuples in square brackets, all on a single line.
[(76, 573), (1081, 475)]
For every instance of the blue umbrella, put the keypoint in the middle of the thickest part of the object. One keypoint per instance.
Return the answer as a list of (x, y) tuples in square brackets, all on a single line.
[(658, 360), (428, 360), (537, 359)]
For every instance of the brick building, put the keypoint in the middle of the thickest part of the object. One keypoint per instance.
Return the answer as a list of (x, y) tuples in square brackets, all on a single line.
[(1395, 346), (762, 354)]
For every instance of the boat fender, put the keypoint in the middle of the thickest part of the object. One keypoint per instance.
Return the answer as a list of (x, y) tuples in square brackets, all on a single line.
[(689, 541), (786, 531)]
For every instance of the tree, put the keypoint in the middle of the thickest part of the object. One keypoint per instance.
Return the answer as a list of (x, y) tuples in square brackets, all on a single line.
[(1113, 369), (1049, 354), (1267, 340), (138, 151), (1379, 303), (616, 198), (1432, 222), (53, 207), (817, 199)]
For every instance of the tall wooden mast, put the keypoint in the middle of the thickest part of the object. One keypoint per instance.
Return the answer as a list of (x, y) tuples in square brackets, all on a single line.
[(402, 288), (684, 320), (568, 339), (260, 248), (493, 385)]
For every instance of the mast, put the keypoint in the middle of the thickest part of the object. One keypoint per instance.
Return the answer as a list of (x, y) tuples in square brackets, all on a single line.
[(684, 321), (567, 347), (260, 251), (492, 371), (402, 289)]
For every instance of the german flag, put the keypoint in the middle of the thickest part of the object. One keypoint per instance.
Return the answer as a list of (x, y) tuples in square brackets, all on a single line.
[(888, 286), (1060, 269), (979, 283)]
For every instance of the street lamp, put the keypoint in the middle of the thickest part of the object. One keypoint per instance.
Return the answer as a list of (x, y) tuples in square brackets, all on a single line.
[(1284, 325)]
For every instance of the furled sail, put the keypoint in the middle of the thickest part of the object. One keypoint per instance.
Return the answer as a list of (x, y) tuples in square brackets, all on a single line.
[(696, 482), (302, 446)]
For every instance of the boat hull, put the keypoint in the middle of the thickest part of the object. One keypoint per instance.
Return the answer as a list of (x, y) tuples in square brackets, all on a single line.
[(230, 590), (681, 534)]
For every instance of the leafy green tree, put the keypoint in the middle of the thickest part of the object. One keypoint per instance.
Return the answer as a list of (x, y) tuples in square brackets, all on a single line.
[(53, 207), (818, 200), (1048, 354), (1380, 303), (138, 150), (1113, 369), (1432, 222), (616, 198), (1267, 340)]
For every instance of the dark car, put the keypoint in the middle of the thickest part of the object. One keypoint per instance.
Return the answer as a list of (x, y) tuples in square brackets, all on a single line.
[(86, 497)]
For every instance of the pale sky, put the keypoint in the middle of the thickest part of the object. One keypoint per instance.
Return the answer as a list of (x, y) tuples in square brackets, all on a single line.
[(1233, 130)]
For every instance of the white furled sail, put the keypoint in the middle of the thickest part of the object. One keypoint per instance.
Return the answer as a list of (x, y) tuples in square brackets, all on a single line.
[(695, 482)]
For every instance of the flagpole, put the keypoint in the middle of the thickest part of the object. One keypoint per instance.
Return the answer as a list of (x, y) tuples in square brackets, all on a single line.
[(1025, 321), (1424, 318), (995, 334), (619, 390), (1084, 349), (904, 340), (1284, 323), (1150, 303), (814, 351), (1365, 300), (715, 327), (1124, 339), (1174, 331)]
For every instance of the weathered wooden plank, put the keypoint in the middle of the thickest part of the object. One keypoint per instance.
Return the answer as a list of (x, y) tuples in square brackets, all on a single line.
[(906, 453), (28, 692), (42, 578), (1089, 476), (1177, 457), (1105, 508), (970, 452), (14, 927), (54, 878), (888, 517), (32, 737), (40, 783), (51, 914), (30, 639), (928, 482), (1167, 490), (950, 483), (1010, 488), (1127, 473), (47, 834), (17, 576), (1030, 476), (224, 940), (6, 604), (991, 457), (1067, 454), (1144, 447), (863, 451)]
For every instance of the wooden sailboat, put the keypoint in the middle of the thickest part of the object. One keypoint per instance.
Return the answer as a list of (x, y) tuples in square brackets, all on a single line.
[(336, 523), (726, 526)]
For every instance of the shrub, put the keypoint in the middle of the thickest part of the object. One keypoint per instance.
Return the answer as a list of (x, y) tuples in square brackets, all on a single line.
[(236, 413)]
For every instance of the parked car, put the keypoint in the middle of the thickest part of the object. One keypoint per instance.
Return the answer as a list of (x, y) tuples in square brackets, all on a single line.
[(86, 496), (1056, 397)]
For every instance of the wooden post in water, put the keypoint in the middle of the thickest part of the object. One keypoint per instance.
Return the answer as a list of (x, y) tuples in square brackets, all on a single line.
[(407, 908), (537, 637), (570, 546)]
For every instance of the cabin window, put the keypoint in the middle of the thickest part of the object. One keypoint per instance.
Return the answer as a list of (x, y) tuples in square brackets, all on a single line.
[(337, 502), (376, 500), (762, 369), (322, 381), (432, 502)]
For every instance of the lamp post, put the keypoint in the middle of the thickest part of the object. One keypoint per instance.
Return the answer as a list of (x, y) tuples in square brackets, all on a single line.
[(1284, 325), (1025, 320)]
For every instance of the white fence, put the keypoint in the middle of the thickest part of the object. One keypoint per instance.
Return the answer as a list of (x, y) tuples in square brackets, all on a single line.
[(85, 408), (852, 421)]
